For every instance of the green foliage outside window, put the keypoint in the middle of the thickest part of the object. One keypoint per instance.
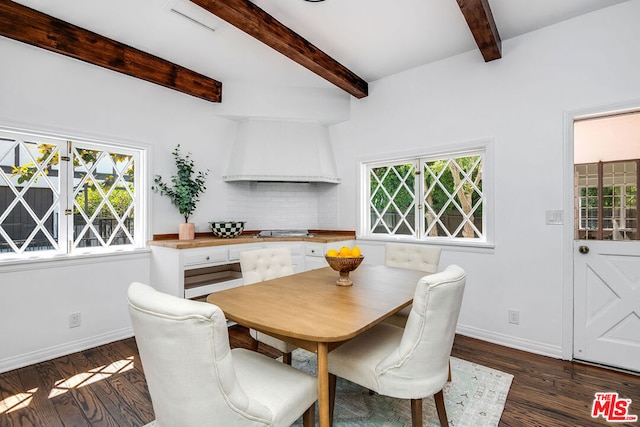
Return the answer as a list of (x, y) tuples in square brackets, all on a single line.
[(46, 178), (449, 195)]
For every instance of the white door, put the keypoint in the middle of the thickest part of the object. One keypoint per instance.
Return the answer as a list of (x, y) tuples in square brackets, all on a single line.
[(606, 253), (607, 303)]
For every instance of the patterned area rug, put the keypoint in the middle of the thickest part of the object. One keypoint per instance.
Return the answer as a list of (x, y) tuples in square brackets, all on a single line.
[(474, 398)]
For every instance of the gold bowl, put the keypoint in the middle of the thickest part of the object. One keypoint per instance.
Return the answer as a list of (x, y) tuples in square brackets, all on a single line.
[(344, 266)]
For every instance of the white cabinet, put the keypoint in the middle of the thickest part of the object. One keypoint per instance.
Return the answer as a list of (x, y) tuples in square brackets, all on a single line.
[(315, 252), (197, 272), (193, 258), (207, 270), (314, 256)]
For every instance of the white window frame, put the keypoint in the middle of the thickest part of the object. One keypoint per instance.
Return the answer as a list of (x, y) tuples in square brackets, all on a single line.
[(65, 230), (485, 147)]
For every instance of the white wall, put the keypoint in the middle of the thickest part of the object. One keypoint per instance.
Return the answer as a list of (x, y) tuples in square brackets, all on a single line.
[(45, 91), (36, 300), (283, 205), (518, 101), (48, 92)]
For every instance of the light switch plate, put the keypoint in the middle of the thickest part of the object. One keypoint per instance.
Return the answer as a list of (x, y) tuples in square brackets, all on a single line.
[(554, 217)]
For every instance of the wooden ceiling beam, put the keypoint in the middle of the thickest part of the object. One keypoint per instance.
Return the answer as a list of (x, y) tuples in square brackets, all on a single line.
[(251, 19), (478, 15), (38, 29)]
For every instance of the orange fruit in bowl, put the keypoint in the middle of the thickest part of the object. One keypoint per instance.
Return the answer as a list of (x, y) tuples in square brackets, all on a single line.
[(355, 252), (332, 253), (345, 252)]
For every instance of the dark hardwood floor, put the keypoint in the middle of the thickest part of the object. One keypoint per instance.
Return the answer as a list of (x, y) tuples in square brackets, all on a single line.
[(105, 386)]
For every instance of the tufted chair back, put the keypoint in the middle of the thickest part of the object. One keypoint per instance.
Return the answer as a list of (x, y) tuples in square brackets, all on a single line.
[(415, 257), (184, 346), (419, 365), (411, 362), (265, 264), (195, 379)]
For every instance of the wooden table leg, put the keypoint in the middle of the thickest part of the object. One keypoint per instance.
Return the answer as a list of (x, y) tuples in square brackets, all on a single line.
[(323, 384)]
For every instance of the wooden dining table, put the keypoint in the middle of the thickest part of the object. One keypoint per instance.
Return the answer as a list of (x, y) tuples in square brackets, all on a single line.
[(310, 311)]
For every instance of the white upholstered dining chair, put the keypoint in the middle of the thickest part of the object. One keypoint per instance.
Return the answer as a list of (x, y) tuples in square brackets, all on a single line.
[(411, 362), (263, 264), (196, 380), (415, 257)]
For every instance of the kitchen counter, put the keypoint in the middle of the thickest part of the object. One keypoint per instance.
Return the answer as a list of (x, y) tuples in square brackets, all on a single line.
[(209, 264), (206, 239)]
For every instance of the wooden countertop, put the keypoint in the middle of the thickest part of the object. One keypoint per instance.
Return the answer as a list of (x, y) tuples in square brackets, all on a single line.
[(203, 240)]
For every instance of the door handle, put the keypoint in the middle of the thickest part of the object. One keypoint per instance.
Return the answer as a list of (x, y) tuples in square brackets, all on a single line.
[(583, 249)]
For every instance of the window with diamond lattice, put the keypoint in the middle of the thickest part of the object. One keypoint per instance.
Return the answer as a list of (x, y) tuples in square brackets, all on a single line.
[(426, 198), (59, 195), (392, 202)]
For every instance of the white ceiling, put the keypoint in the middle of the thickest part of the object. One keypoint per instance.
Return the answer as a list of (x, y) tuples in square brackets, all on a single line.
[(372, 38)]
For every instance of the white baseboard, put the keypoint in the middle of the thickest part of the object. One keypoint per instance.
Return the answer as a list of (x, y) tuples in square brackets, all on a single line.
[(49, 353), (543, 349), (27, 359)]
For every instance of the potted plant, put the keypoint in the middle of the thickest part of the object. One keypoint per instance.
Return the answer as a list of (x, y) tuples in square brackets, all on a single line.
[(185, 191)]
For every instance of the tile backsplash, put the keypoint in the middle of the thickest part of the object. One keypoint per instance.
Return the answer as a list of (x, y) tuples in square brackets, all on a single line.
[(283, 205)]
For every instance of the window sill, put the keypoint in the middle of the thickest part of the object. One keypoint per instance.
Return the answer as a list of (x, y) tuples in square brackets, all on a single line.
[(40, 261), (453, 246)]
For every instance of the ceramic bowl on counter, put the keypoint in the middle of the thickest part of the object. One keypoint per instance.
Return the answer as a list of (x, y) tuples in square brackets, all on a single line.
[(227, 229)]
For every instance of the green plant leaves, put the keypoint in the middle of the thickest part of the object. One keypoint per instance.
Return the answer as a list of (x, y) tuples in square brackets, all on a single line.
[(187, 188)]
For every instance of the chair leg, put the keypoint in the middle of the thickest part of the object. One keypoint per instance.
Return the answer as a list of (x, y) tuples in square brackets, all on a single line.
[(332, 396), (286, 358), (254, 344), (449, 376), (416, 412), (440, 408), (309, 416)]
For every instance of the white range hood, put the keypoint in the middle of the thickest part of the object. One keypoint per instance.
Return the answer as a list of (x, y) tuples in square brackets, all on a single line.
[(282, 151)]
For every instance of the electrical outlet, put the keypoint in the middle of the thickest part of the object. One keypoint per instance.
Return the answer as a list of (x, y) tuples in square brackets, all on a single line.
[(514, 317), (74, 320)]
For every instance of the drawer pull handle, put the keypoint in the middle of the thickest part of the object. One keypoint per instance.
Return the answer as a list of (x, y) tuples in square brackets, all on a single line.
[(207, 258)]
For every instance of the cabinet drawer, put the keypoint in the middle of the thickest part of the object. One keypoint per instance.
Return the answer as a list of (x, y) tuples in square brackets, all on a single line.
[(195, 258), (315, 249)]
